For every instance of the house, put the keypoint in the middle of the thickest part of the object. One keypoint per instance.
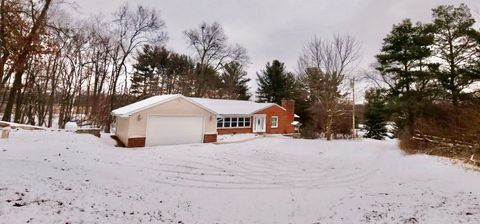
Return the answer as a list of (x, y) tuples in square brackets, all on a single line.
[(176, 119)]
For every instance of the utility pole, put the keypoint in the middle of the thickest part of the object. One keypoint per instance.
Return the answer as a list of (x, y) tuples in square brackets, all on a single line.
[(354, 132)]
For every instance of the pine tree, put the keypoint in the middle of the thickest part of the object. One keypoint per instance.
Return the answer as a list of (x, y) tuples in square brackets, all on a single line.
[(274, 83), (146, 77), (235, 82), (455, 46), (207, 82), (375, 114), (403, 64), (160, 71)]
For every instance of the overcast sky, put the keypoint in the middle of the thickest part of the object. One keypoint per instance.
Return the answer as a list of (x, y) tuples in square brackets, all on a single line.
[(277, 29)]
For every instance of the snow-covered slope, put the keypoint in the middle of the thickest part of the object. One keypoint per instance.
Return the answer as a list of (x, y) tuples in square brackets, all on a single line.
[(58, 177)]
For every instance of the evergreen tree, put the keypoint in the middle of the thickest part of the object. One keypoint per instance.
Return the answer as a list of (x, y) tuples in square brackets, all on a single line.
[(235, 82), (403, 64), (455, 46), (160, 71), (207, 82), (146, 77), (179, 75), (375, 114), (274, 83)]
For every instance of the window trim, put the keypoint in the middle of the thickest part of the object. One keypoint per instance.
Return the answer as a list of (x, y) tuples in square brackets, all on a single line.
[(249, 121), (234, 120), (229, 122), (223, 120), (276, 123)]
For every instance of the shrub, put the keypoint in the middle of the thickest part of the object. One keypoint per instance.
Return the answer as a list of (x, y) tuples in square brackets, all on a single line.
[(442, 129)]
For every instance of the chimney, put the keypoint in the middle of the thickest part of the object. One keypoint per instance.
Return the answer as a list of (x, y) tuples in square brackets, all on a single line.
[(289, 105)]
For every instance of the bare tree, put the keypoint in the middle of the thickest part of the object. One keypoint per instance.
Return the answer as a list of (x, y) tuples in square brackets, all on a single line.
[(56, 65), (323, 66), (133, 28), (212, 51), (20, 62)]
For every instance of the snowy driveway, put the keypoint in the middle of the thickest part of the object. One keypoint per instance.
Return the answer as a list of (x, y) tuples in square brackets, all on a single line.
[(57, 177)]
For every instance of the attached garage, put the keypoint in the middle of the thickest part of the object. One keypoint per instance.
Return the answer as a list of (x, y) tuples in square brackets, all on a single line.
[(165, 120)]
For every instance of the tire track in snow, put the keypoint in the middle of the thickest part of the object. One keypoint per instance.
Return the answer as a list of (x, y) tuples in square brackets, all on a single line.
[(225, 171)]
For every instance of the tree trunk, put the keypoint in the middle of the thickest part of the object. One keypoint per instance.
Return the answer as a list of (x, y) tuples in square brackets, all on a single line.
[(7, 114), (21, 61), (18, 107), (328, 127)]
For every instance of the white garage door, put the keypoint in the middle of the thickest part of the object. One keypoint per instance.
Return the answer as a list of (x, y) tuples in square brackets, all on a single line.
[(169, 130)]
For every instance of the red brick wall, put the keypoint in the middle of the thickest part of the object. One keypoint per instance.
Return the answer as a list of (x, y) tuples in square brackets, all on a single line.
[(208, 138), (285, 119), (224, 131), (136, 142), (289, 105)]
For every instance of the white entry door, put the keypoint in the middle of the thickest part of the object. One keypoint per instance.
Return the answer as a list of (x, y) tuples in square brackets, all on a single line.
[(259, 124), (173, 130)]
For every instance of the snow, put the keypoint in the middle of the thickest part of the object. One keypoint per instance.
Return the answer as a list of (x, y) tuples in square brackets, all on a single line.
[(218, 106), (22, 126), (59, 177), (71, 125), (232, 107), (233, 138), (295, 123), (143, 104)]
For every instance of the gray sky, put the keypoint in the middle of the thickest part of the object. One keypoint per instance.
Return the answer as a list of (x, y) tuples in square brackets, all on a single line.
[(277, 29)]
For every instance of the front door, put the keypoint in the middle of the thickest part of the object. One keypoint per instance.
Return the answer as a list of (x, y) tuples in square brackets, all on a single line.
[(259, 124)]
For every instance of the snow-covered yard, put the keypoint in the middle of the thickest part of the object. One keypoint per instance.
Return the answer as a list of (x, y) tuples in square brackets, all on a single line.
[(59, 177)]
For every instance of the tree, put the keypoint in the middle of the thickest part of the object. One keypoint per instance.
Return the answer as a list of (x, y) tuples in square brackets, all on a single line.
[(28, 44), (404, 66), (133, 28), (12, 30), (160, 71), (180, 75), (274, 83), (323, 66), (212, 52), (455, 48), (375, 114), (235, 82), (150, 63)]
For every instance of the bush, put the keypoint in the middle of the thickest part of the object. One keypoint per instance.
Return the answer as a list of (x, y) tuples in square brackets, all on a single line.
[(342, 122), (309, 131), (441, 129)]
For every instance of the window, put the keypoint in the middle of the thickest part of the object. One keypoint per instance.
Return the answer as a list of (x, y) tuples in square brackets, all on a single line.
[(226, 122), (240, 122), (247, 121), (219, 122), (233, 122), (274, 122)]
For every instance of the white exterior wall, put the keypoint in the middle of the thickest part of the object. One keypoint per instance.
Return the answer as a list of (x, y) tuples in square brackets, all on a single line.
[(122, 126)]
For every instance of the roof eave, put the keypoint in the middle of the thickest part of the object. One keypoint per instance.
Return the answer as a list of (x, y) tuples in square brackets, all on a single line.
[(120, 115), (146, 107), (271, 105)]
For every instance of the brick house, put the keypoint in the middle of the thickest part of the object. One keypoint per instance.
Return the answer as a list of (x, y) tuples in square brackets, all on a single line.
[(176, 119)]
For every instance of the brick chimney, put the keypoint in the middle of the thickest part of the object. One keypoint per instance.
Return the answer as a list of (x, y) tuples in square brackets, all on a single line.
[(289, 105)]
